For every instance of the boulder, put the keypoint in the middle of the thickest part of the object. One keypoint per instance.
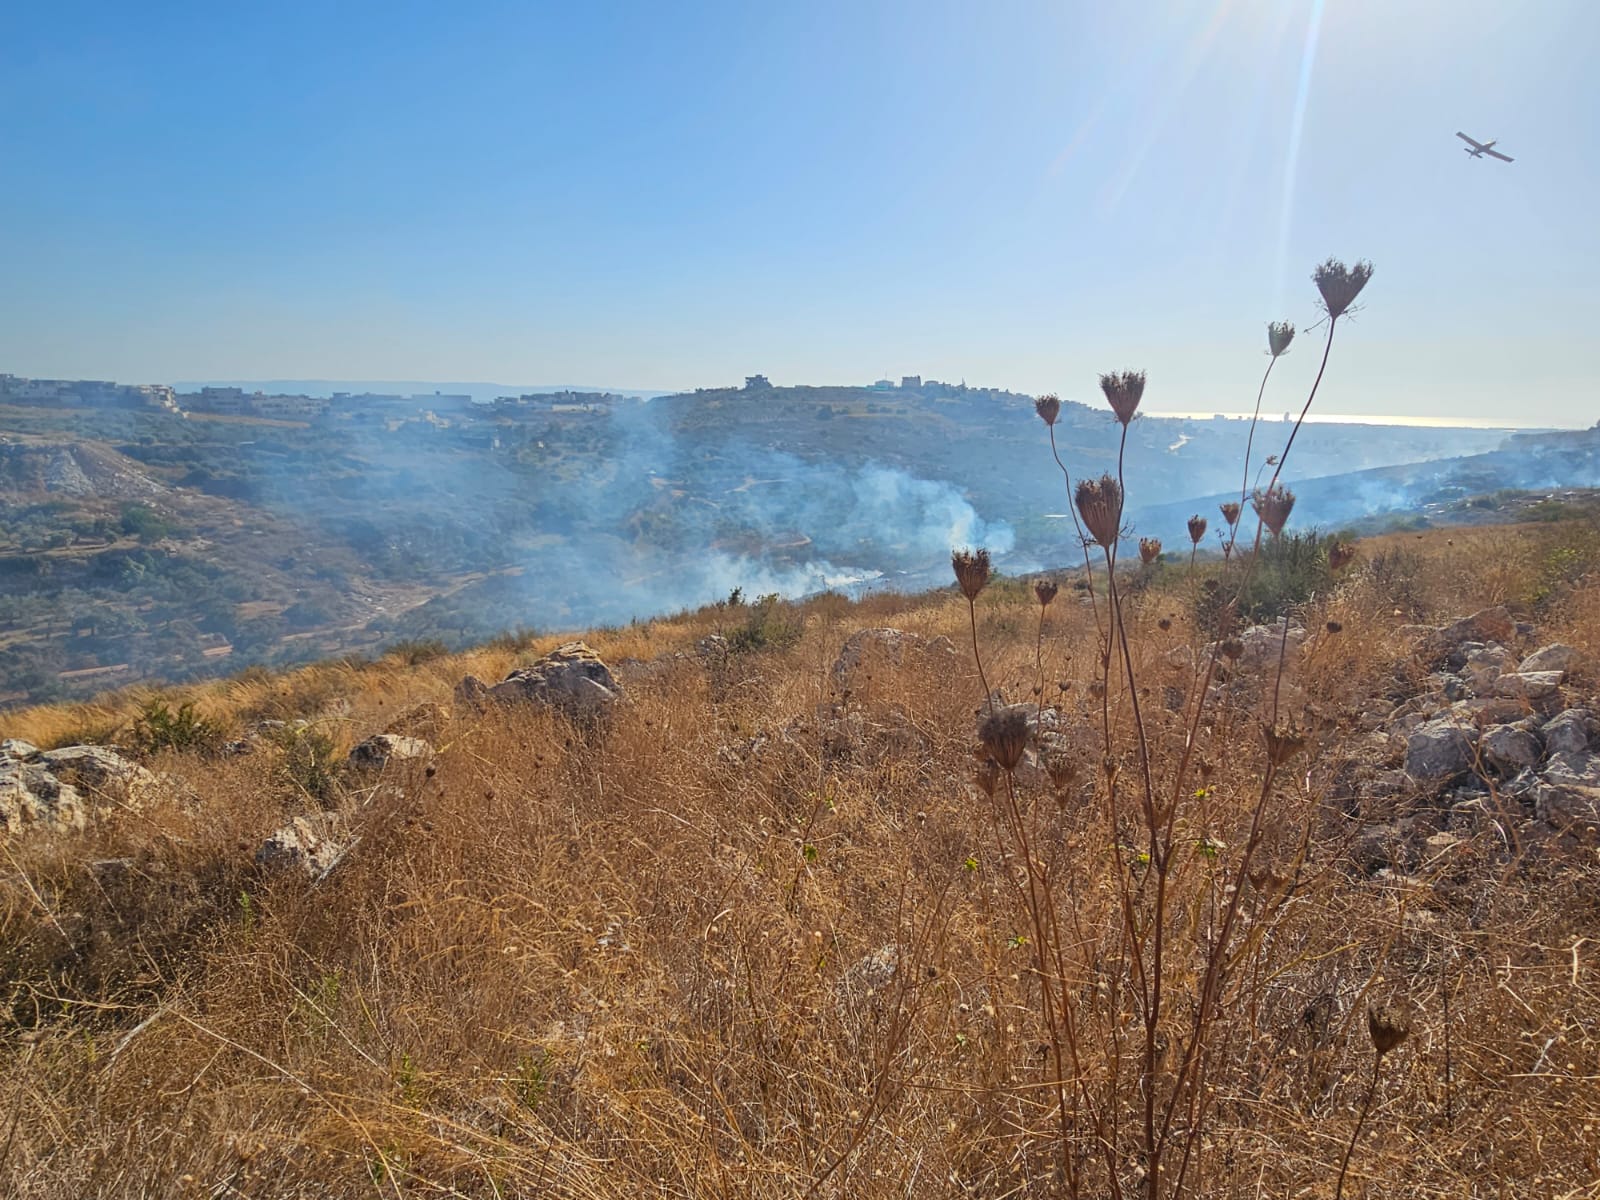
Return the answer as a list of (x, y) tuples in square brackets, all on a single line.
[(307, 844), (1439, 748), (1486, 664), (1485, 625), (103, 774), (1567, 732), (1509, 749), (1570, 791), (571, 679), (867, 650), (1554, 657), (1528, 685), (31, 796), (385, 749)]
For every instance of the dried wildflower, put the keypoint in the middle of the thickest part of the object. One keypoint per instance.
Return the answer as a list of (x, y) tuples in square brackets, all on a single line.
[(1164, 624), (1049, 408), (1334, 627), (1100, 505), (1149, 550), (1279, 335), (1230, 512), (1062, 769), (1004, 734), (1389, 1025), (1197, 528), (972, 571), (1124, 390), (1273, 506), (1340, 285), (1282, 745), (1044, 591), (1340, 556), (1065, 685), (1232, 649)]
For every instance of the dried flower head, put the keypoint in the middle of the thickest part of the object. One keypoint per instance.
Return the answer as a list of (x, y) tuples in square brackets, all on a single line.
[(1149, 550), (1048, 407), (1124, 390), (972, 571), (1279, 335), (1100, 505), (1273, 506), (1389, 1025), (1340, 555), (1044, 591), (1230, 512), (1335, 627), (1340, 285), (1062, 769), (1164, 624), (1197, 528), (1232, 649), (1282, 744), (1004, 734)]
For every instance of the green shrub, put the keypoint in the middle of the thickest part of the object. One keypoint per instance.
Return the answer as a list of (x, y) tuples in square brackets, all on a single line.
[(310, 761), (770, 625), (158, 727)]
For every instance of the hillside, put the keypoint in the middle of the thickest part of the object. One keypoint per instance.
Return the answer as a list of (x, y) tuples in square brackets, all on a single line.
[(143, 545), (728, 901)]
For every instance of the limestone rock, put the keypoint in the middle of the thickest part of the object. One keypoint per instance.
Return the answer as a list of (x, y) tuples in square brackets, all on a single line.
[(1528, 685), (1567, 732), (103, 774), (1570, 793), (385, 749), (1509, 749), (307, 844), (571, 679), (1554, 657), (31, 796), (868, 649), (1485, 625), (1439, 748)]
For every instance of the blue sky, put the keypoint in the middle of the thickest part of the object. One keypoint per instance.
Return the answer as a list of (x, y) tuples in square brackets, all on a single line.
[(649, 195)]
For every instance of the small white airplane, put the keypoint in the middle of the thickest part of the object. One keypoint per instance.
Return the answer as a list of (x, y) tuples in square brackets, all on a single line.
[(1478, 149)]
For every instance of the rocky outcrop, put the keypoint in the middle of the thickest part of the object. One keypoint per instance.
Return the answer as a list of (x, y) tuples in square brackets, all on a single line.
[(312, 845), (383, 750), (1440, 748), (869, 650), (59, 789), (571, 679)]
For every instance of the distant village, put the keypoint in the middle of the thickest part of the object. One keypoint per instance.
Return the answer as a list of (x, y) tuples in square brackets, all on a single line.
[(436, 408)]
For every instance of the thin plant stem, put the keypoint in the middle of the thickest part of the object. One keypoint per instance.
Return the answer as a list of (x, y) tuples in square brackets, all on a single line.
[(1366, 1106), (1244, 485)]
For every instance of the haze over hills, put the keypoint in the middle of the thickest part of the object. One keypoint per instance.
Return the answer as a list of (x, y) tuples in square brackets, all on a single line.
[(478, 390), (143, 543)]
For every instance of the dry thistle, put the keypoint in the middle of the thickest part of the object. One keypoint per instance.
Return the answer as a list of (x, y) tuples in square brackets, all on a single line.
[(1279, 335), (1389, 1025), (1049, 408), (1273, 506), (972, 571), (1004, 734), (1124, 390), (1340, 555), (1230, 512), (1100, 505), (1149, 550), (1282, 744), (1340, 285), (1197, 528), (1044, 591)]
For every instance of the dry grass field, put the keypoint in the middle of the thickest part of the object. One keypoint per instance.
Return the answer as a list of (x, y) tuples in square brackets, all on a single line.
[(771, 932)]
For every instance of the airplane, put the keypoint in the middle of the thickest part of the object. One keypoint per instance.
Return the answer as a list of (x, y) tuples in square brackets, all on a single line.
[(1478, 149)]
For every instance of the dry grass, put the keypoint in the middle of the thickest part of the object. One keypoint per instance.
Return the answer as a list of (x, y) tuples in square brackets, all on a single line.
[(700, 954)]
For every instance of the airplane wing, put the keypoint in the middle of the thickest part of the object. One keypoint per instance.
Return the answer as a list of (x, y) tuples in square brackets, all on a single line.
[(1473, 142), (1501, 157)]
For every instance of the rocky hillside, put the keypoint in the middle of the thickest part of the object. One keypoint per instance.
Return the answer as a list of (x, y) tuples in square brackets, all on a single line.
[(772, 894)]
